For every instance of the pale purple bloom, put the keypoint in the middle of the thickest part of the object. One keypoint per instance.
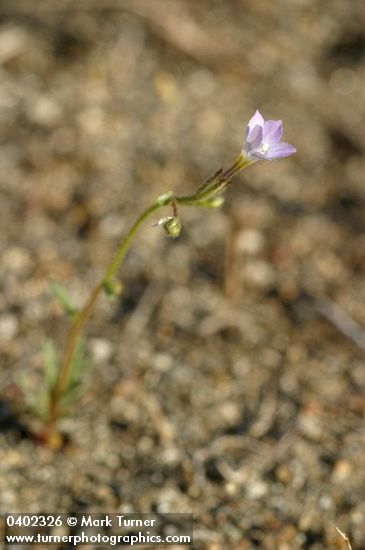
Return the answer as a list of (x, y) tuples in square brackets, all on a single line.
[(263, 140)]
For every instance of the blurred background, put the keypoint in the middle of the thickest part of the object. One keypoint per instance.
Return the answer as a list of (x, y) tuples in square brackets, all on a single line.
[(229, 380)]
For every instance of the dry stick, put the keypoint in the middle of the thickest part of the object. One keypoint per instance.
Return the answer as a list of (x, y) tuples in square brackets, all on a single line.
[(342, 321), (177, 26), (345, 537), (232, 281)]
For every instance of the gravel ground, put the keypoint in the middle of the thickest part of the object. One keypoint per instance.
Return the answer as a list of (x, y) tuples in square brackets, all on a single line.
[(229, 380)]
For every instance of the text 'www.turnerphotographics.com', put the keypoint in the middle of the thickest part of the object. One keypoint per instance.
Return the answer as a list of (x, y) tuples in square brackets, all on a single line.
[(108, 529)]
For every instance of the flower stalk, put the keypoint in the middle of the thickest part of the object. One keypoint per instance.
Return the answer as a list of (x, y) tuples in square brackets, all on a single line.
[(64, 372), (80, 320), (262, 142)]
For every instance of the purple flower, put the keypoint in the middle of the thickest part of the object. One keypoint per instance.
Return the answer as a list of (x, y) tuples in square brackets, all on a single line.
[(263, 140)]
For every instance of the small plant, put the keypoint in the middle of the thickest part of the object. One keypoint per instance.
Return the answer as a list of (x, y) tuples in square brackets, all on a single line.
[(63, 375)]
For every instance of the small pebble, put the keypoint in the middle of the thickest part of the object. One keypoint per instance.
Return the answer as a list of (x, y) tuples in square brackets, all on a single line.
[(101, 350), (8, 326)]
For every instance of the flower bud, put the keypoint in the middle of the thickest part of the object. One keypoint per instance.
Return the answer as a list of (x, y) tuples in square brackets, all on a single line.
[(165, 198), (171, 225), (213, 202), (112, 288)]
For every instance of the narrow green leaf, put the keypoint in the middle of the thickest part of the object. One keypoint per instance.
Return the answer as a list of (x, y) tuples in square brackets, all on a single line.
[(79, 364), (63, 299), (50, 363), (75, 387), (38, 405), (69, 398)]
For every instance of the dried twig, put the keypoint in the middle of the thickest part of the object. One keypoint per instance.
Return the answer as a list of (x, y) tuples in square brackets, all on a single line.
[(266, 414), (177, 26), (139, 319), (342, 321), (232, 281), (171, 19), (345, 537), (164, 427)]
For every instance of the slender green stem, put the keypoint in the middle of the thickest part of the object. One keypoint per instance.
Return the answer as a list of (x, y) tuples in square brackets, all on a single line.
[(66, 364), (198, 198), (81, 318), (126, 242)]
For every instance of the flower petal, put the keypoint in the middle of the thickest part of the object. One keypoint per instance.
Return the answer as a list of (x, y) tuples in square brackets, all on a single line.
[(253, 142), (280, 150), (255, 137), (256, 120), (272, 131)]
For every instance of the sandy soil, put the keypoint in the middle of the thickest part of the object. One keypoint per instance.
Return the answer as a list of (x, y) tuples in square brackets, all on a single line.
[(229, 381)]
